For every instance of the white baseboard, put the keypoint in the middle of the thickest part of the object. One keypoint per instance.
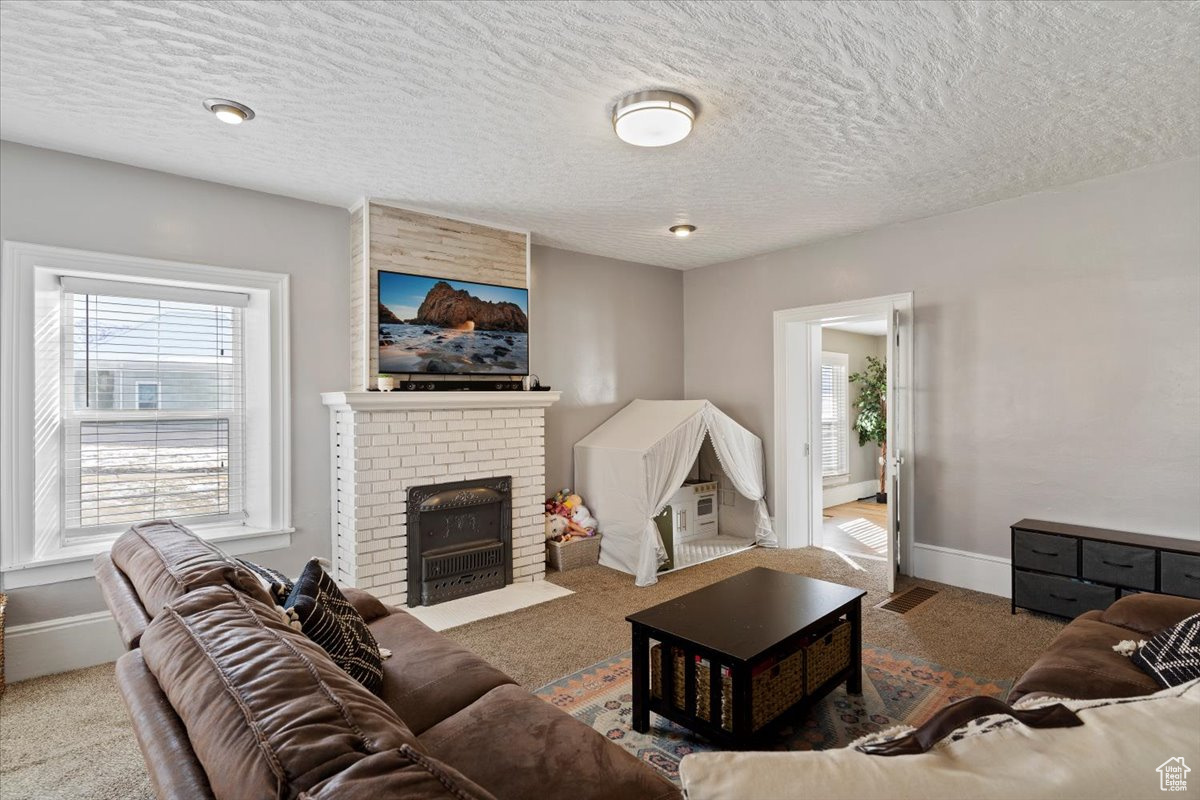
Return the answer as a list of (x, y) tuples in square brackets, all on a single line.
[(847, 493), (60, 645), (983, 573)]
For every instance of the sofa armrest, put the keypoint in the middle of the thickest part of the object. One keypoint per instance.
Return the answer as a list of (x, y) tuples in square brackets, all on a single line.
[(121, 599), (175, 773), (368, 605), (1150, 613)]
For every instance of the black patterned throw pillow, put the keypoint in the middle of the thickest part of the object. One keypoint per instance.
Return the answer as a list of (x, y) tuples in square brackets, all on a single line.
[(278, 585), (1172, 656), (328, 619)]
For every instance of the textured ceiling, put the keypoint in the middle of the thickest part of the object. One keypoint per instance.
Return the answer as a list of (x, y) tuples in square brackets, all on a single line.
[(816, 119)]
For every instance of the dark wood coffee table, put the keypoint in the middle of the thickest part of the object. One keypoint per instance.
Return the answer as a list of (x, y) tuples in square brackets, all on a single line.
[(738, 623)]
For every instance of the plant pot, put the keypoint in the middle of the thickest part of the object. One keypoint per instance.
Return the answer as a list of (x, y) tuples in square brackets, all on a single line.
[(881, 497)]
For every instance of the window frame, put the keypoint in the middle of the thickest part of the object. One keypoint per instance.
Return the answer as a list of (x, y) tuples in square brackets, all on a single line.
[(842, 360), (32, 550), (137, 395), (73, 419)]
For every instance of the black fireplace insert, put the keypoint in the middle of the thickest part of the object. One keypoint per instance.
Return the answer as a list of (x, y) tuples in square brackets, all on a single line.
[(459, 539)]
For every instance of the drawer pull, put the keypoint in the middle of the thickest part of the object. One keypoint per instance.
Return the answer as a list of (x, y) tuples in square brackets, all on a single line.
[(1191, 576), (1045, 552), (1060, 597), (1114, 564)]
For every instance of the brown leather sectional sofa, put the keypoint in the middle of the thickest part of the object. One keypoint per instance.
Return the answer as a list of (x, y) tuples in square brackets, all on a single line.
[(229, 702), (1081, 664)]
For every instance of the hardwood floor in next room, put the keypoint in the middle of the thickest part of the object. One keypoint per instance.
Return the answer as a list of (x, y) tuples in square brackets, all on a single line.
[(858, 528)]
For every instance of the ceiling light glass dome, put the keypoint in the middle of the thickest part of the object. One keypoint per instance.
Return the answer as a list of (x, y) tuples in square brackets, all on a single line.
[(654, 119)]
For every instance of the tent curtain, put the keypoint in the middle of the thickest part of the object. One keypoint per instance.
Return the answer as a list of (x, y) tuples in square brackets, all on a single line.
[(741, 455), (667, 466)]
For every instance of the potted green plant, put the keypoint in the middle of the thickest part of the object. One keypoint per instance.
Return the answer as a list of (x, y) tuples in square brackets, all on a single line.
[(871, 422)]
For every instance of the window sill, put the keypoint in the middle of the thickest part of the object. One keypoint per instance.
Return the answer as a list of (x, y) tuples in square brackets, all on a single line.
[(76, 562), (836, 480)]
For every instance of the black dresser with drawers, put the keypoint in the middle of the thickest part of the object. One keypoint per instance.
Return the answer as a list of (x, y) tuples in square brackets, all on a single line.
[(1066, 570)]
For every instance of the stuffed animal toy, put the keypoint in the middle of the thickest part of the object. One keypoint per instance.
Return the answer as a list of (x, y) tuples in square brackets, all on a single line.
[(568, 518), (582, 520), (556, 527)]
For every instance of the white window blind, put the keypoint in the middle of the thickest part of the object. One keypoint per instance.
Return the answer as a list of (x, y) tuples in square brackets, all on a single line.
[(835, 415), (153, 407)]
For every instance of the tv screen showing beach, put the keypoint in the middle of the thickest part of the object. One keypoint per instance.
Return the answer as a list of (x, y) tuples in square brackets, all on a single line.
[(434, 325)]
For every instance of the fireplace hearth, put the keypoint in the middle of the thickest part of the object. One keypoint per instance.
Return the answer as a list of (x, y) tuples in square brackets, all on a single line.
[(459, 539)]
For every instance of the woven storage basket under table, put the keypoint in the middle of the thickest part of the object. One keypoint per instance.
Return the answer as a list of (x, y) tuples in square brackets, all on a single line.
[(775, 687), (573, 554), (826, 656)]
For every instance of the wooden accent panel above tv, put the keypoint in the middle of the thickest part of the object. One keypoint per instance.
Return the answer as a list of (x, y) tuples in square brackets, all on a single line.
[(405, 241), (395, 239)]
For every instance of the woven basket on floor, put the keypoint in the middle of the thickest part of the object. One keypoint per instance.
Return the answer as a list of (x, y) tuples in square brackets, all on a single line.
[(573, 554), (3, 604), (775, 689)]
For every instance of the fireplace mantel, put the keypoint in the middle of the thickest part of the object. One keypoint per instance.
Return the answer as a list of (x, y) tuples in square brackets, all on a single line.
[(400, 400)]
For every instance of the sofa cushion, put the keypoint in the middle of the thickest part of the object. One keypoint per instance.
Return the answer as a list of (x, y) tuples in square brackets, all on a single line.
[(1172, 656), (164, 561), (403, 773), (1115, 754), (328, 619), (1148, 614), (367, 604), (1080, 663), (517, 746), (429, 677), (267, 712)]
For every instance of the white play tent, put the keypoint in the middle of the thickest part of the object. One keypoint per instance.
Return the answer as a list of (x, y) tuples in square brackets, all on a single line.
[(628, 468)]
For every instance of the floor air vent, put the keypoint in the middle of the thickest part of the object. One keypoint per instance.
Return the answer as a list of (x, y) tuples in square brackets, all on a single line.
[(903, 603)]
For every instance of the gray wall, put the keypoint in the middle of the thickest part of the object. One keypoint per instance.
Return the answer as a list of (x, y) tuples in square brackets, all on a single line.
[(1056, 334), (604, 332), (59, 199), (857, 346)]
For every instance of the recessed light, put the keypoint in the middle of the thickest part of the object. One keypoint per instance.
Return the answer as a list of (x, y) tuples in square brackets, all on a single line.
[(653, 119), (683, 231), (229, 111)]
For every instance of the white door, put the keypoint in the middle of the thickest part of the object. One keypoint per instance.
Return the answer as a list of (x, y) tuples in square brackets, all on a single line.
[(899, 441), (892, 456)]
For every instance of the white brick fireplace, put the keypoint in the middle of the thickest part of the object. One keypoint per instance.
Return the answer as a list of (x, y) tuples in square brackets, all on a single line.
[(384, 442)]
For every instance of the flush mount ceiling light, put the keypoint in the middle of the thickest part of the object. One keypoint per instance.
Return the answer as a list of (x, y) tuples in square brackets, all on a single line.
[(653, 119), (682, 231), (229, 111)]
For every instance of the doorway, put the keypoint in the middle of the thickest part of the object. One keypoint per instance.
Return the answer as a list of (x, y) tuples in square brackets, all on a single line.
[(834, 486), (854, 497)]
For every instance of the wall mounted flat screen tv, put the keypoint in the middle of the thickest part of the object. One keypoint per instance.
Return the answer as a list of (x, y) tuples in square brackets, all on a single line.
[(449, 327)]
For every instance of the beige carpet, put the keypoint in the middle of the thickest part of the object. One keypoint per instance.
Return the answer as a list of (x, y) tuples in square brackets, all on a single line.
[(67, 736), (958, 628)]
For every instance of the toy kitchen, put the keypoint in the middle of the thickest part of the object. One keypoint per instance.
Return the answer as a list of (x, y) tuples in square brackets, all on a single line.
[(690, 516)]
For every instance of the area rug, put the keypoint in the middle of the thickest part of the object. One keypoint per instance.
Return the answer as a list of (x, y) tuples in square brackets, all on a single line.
[(897, 688)]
